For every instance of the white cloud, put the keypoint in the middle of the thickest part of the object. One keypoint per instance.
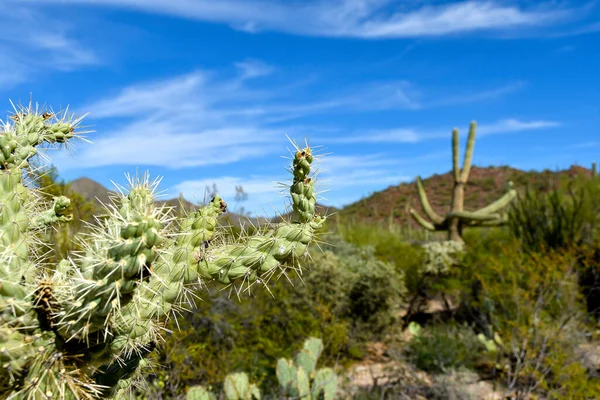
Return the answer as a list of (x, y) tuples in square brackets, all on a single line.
[(349, 18), (254, 69), (515, 125)]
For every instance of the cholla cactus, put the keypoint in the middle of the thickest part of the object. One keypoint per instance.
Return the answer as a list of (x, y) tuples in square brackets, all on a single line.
[(441, 256), (300, 379), (81, 329), (458, 218)]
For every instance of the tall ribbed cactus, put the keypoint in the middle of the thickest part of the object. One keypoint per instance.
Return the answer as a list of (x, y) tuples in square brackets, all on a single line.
[(81, 329), (458, 218)]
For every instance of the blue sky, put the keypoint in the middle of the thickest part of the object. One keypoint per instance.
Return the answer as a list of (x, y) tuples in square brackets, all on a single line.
[(203, 92)]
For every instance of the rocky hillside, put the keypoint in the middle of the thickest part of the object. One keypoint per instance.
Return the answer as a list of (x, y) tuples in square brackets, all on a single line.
[(485, 186)]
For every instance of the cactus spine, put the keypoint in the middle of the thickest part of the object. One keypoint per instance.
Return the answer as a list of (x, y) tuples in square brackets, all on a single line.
[(458, 218), (81, 329)]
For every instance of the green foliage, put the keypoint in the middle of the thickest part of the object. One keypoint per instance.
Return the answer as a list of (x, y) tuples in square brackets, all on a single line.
[(347, 297), (85, 326), (532, 301), (443, 347), (370, 290)]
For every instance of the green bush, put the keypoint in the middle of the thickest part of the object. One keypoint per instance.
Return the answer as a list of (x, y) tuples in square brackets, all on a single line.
[(444, 347)]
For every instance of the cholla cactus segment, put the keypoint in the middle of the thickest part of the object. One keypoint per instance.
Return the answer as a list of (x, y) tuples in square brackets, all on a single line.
[(303, 187), (83, 328), (441, 256), (29, 129), (54, 214)]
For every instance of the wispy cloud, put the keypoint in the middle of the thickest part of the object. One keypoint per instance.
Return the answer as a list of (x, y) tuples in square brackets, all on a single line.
[(352, 18), (515, 125), (186, 121), (479, 96), (414, 135), (254, 68), (32, 42)]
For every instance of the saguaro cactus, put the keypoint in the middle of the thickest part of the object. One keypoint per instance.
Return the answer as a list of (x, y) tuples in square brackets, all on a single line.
[(81, 329), (594, 170), (458, 218)]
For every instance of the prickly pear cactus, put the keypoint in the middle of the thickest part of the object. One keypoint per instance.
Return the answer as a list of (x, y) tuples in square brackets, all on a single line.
[(301, 379), (199, 393), (236, 387), (82, 329)]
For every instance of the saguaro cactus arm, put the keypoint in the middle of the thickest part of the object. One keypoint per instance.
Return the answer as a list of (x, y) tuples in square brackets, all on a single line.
[(466, 170)]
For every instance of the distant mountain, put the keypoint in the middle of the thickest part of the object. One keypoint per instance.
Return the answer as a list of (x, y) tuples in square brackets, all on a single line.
[(485, 185), (98, 194), (91, 190)]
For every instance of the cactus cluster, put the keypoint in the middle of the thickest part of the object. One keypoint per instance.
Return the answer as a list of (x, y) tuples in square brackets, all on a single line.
[(458, 218), (82, 329), (299, 378)]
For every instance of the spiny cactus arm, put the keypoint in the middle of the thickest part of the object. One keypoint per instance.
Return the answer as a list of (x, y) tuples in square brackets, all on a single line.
[(501, 220), (117, 258), (466, 170), (594, 170), (53, 215), (422, 221), (279, 248), (499, 204), (431, 214), (455, 155), (470, 216), (29, 129)]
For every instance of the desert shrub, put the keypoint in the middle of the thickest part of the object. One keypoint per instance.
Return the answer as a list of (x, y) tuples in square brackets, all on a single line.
[(567, 216), (372, 288), (443, 347), (532, 301), (346, 297)]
